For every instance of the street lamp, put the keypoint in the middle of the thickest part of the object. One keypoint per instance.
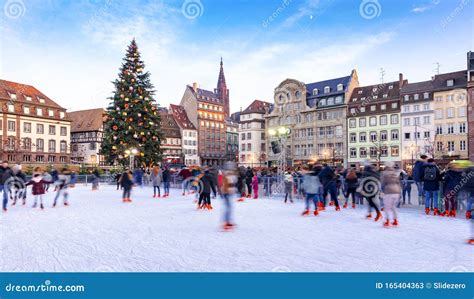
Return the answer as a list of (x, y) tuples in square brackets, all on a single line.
[(131, 153)]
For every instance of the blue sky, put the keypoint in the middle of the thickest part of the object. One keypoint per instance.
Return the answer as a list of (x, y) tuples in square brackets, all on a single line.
[(71, 50)]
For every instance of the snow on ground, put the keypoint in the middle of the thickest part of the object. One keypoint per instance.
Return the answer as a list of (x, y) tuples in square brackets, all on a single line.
[(98, 232)]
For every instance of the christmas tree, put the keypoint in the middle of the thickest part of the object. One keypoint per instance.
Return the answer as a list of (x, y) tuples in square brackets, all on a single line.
[(132, 125)]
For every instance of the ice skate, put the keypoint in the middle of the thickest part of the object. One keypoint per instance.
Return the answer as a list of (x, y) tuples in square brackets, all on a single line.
[(305, 213), (436, 212), (452, 213), (316, 213), (41, 206), (468, 215), (338, 209), (344, 206), (386, 223), (378, 217), (395, 222), (427, 211), (353, 205), (470, 241), (369, 216)]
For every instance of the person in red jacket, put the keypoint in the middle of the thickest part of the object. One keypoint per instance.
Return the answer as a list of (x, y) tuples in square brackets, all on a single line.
[(38, 184)]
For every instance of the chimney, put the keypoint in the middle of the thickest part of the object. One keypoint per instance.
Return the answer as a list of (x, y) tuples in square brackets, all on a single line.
[(195, 86), (400, 80)]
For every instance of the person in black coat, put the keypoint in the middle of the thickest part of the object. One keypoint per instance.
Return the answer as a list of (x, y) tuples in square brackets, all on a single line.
[(452, 182), (166, 181), (370, 188), (207, 185), (126, 182), (328, 180), (18, 190), (5, 174), (248, 181), (431, 177)]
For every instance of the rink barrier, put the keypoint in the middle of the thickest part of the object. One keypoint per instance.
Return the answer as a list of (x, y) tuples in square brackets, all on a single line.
[(237, 285)]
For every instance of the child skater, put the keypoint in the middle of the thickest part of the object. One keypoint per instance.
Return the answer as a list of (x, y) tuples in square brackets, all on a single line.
[(255, 186), (38, 184), (64, 179), (156, 178)]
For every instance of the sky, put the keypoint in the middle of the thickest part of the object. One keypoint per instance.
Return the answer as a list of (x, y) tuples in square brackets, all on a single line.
[(72, 50)]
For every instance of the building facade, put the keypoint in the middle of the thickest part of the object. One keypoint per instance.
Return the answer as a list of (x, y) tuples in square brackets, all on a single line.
[(171, 142), (189, 135), (417, 121), (205, 110), (470, 102), (34, 129), (450, 116), (232, 140), (315, 114), (86, 136), (374, 124), (252, 134)]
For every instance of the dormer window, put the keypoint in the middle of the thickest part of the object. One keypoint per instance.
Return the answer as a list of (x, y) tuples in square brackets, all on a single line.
[(385, 95), (26, 110), (354, 99), (360, 91), (375, 97), (339, 87), (390, 87), (406, 98), (41, 100), (315, 91), (13, 96), (50, 112), (416, 96), (327, 89), (61, 114), (298, 94), (450, 82), (374, 89), (11, 108), (426, 95), (39, 111), (28, 98)]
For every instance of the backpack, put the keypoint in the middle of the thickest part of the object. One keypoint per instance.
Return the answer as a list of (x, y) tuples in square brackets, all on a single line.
[(430, 173)]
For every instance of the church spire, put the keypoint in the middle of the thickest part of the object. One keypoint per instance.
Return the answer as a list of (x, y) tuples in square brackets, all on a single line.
[(222, 91)]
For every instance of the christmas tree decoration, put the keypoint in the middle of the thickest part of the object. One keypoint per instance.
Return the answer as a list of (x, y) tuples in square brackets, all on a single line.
[(125, 130)]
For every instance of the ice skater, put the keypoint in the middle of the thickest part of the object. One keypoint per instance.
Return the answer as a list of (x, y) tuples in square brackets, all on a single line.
[(255, 186), (38, 183), (370, 189), (312, 187), (207, 185), (228, 191), (156, 179), (64, 179), (288, 182), (126, 183), (390, 184)]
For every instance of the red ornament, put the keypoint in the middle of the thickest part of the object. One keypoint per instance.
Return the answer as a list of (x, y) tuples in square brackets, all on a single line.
[(115, 127)]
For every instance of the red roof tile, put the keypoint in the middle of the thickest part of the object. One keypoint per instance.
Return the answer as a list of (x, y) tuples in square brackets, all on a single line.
[(181, 117)]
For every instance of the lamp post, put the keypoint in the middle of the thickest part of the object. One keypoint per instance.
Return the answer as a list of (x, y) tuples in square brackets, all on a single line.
[(413, 148), (131, 154)]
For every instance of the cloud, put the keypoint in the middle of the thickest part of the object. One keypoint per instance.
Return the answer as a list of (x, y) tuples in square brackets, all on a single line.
[(425, 7), (304, 10)]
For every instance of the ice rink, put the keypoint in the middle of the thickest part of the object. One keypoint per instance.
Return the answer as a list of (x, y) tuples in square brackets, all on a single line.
[(98, 232)]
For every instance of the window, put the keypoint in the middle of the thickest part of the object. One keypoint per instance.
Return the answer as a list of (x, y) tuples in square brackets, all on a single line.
[(438, 114), (426, 107), (63, 146), (330, 101), (373, 136), (384, 151), (39, 145), (416, 108), (383, 107), (462, 112), (416, 121), (462, 128), (450, 82), (406, 98), (394, 105), (353, 137), (340, 87), (242, 146), (406, 108), (450, 146), (63, 131), (339, 100), (362, 109), (462, 145), (439, 146), (39, 128), (26, 127), (52, 130), (362, 122), (439, 129), (383, 136), (394, 119), (373, 107), (327, 89), (450, 129), (353, 152), (406, 121), (373, 151), (395, 151), (11, 108), (416, 97), (315, 91), (338, 131), (26, 110), (39, 111), (11, 126), (50, 112), (450, 112), (363, 137), (383, 120), (426, 120), (426, 95), (373, 121), (426, 134), (352, 123), (249, 135), (363, 152), (242, 136), (407, 136)]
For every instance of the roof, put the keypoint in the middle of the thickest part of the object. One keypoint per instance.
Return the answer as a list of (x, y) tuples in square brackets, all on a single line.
[(332, 83), (22, 91), (459, 77), (169, 127), (230, 122), (203, 95), (257, 106), (376, 92), (87, 120), (417, 87), (236, 116), (181, 117)]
